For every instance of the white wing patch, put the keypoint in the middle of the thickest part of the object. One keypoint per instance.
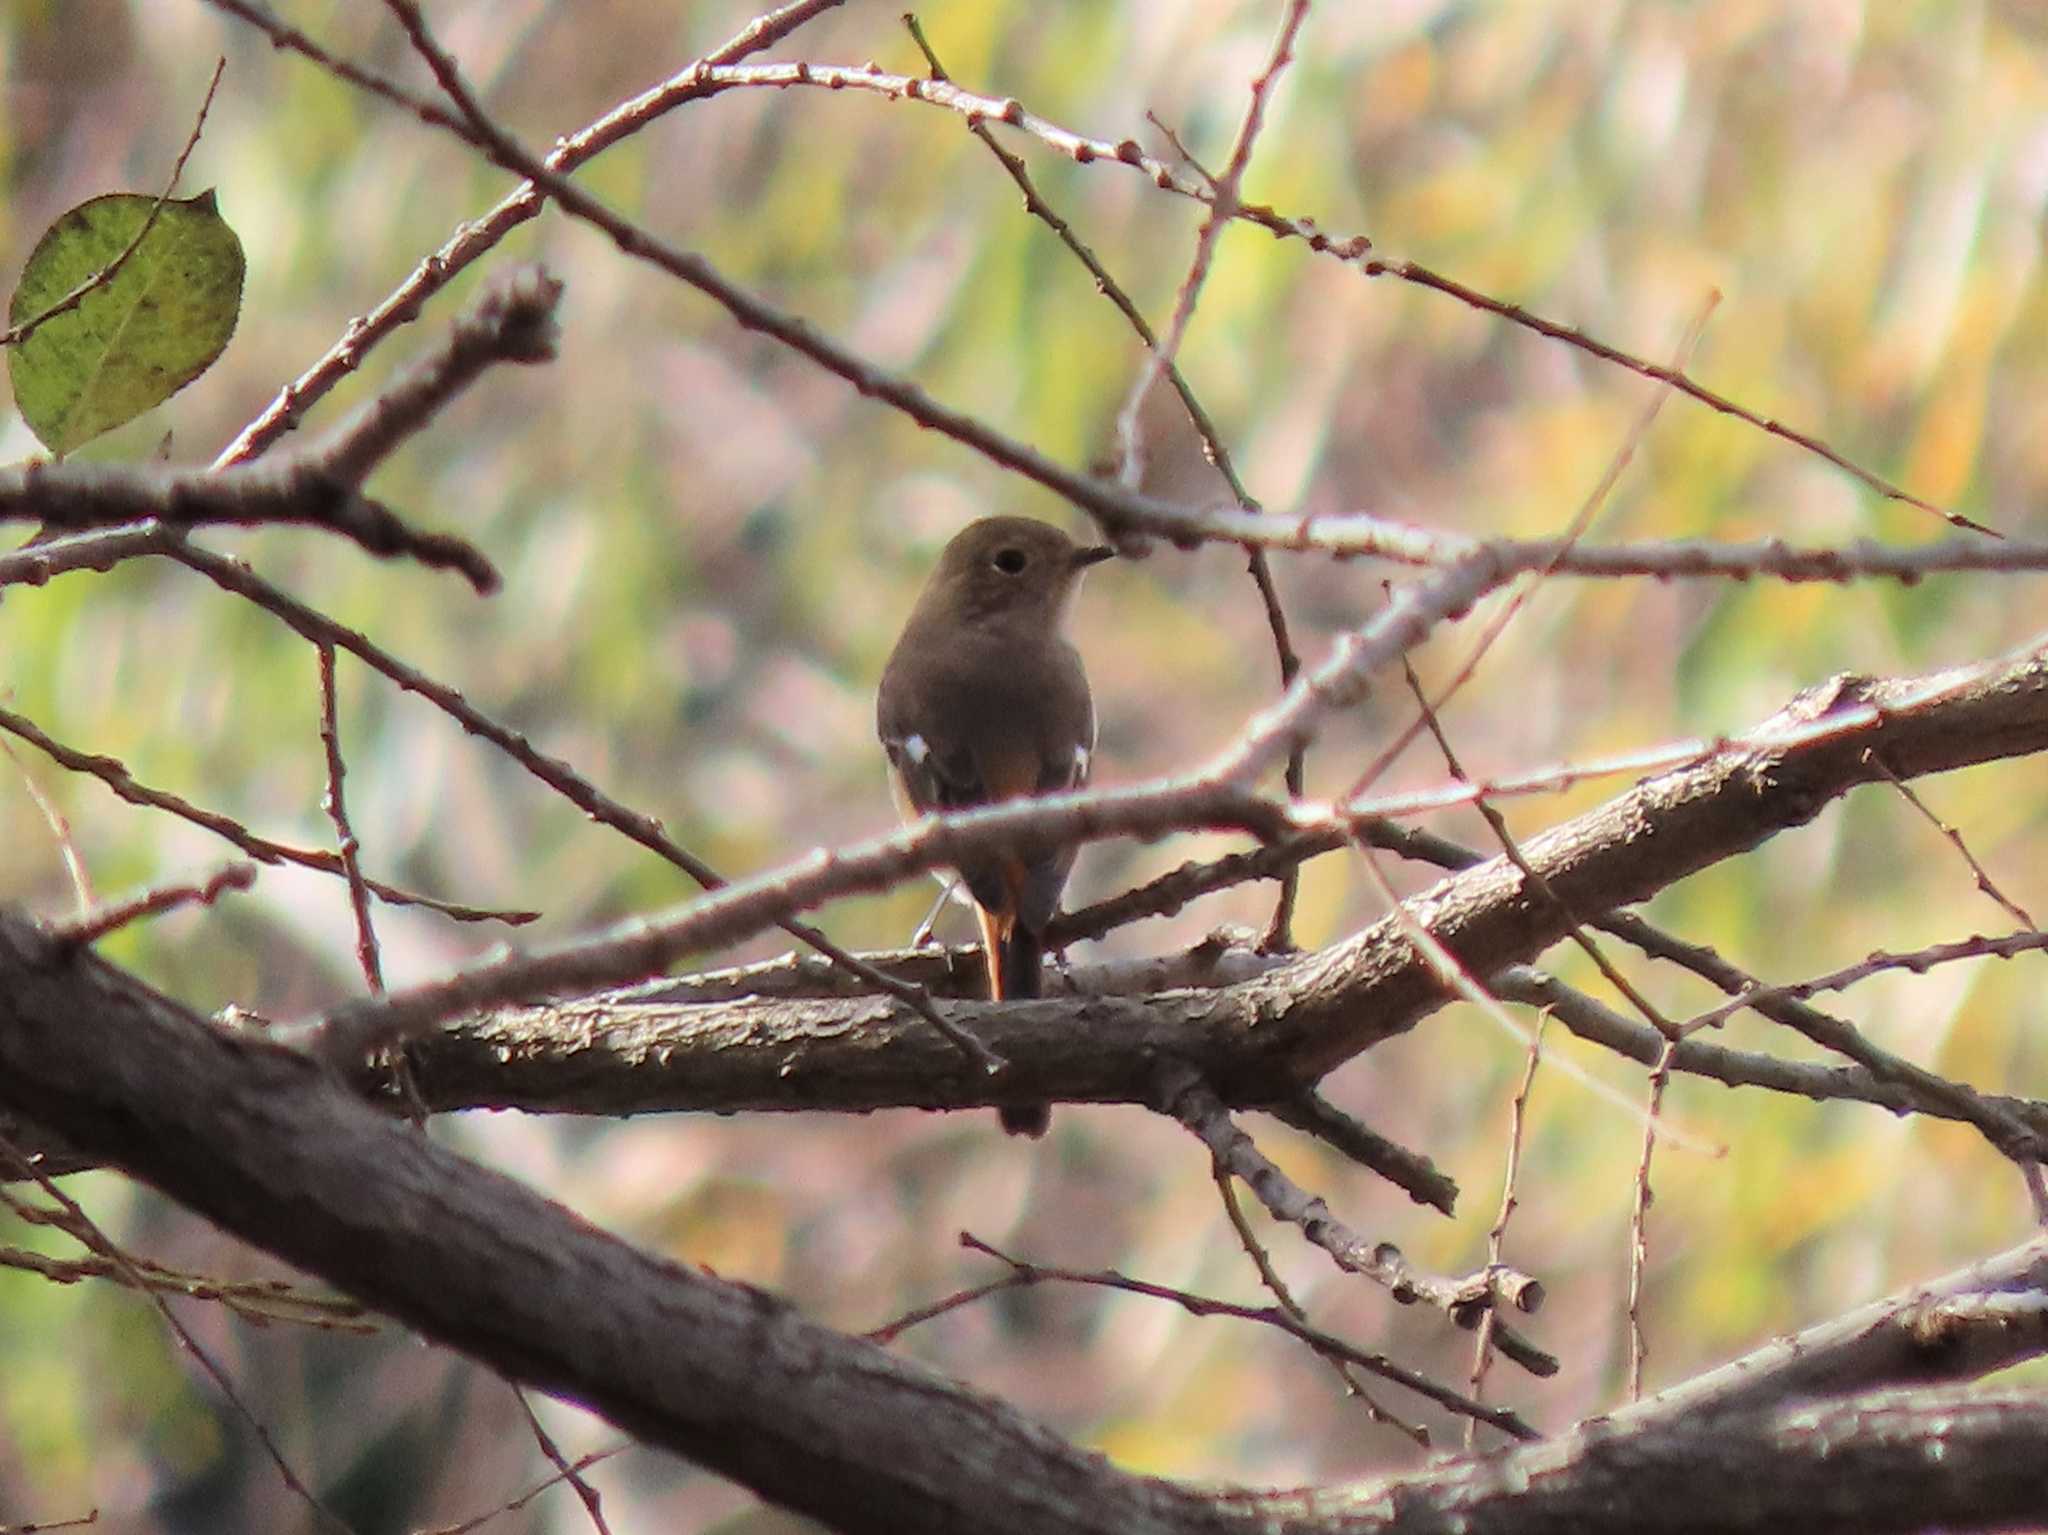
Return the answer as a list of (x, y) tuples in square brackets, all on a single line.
[(917, 749)]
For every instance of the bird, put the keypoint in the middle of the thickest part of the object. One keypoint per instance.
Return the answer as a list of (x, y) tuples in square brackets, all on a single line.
[(984, 699)]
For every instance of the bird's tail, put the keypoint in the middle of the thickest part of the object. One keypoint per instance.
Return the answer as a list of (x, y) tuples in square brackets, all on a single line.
[(1023, 964), (1016, 972)]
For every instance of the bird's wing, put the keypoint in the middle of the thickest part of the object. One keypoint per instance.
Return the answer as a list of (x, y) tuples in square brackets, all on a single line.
[(941, 776)]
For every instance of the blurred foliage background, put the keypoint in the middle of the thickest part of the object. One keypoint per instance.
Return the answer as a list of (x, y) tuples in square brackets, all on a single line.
[(708, 546)]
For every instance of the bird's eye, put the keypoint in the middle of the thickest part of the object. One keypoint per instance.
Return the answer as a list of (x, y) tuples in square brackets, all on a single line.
[(1009, 561)]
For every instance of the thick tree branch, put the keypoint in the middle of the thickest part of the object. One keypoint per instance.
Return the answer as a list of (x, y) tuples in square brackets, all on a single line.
[(1846, 1465), (1950, 1329), (1261, 1039), (265, 1144)]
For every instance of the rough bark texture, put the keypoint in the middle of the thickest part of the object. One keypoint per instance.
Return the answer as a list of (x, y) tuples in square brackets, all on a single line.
[(276, 1151), (270, 1147), (1262, 1038)]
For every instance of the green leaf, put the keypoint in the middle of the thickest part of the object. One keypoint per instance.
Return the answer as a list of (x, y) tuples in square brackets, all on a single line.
[(135, 340)]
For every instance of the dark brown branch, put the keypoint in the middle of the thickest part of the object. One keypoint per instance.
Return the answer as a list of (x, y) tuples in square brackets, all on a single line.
[(1117, 508), (1886, 1462), (476, 237), (91, 926), (1737, 1068), (1264, 1038), (297, 492), (1183, 1095), (114, 773), (262, 1143), (513, 321), (1957, 1327), (1408, 1170)]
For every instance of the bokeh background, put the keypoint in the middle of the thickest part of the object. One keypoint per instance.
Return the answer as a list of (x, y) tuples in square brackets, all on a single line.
[(708, 545)]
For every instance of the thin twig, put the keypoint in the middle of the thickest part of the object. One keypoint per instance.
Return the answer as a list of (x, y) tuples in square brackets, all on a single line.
[(1182, 1094), (701, 81), (1877, 962), (1023, 1274), (1496, 1237), (1284, 1298), (260, 1301), (346, 846), (1955, 840), (1223, 206), (42, 1526), (576, 1467), (90, 926), (17, 334), (1462, 983), (1115, 505), (112, 772), (104, 1247), (572, 1474), (1812, 1080), (60, 830), (475, 238), (1639, 1225), (1515, 314), (1497, 823), (1575, 532)]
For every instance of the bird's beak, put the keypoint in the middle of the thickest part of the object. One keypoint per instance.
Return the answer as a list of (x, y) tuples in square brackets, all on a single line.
[(1094, 554)]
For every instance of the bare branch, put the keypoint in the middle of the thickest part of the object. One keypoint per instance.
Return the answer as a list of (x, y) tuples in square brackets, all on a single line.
[(1254, 1249), (1917, 961), (16, 334), (259, 1300), (1496, 1237), (1955, 839), (1639, 1218), (1263, 1037), (1223, 206), (300, 492), (91, 926), (346, 847), (1118, 508), (1183, 1094), (1407, 1170), (267, 1147), (477, 237), (570, 1473), (513, 321), (575, 1468), (82, 1226), (1957, 1327), (112, 772)]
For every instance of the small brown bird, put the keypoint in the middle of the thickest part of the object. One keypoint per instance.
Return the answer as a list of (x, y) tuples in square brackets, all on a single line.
[(983, 699)]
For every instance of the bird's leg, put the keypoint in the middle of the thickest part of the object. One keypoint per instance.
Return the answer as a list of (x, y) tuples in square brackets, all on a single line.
[(924, 934)]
